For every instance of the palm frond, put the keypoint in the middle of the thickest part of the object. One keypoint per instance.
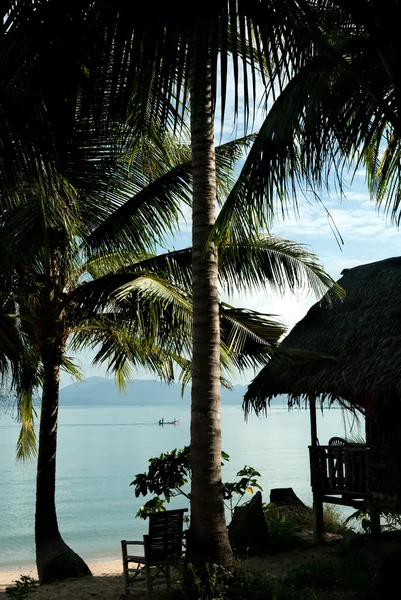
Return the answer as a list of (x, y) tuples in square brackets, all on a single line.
[(26, 443), (69, 366), (269, 261), (249, 338), (146, 217)]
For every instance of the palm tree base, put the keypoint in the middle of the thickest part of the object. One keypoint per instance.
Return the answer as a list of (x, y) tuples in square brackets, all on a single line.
[(56, 561)]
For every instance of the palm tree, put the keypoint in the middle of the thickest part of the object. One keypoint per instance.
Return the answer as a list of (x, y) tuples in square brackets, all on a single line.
[(81, 269), (172, 56), (139, 314), (48, 259), (149, 63)]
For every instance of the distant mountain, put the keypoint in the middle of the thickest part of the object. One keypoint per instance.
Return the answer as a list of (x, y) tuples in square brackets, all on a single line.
[(98, 391)]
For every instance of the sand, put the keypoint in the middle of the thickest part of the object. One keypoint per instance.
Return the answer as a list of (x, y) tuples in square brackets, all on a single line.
[(106, 584)]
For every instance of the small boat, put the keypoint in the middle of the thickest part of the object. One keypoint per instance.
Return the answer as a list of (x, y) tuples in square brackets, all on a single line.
[(163, 422)]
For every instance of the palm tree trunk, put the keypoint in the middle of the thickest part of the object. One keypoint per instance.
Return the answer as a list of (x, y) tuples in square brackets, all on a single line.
[(208, 541), (54, 559)]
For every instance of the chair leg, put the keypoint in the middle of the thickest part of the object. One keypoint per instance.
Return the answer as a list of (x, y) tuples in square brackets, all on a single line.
[(149, 582), (168, 577), (125, 566)]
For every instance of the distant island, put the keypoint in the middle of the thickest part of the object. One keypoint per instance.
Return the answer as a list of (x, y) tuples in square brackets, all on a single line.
[(99, 391)]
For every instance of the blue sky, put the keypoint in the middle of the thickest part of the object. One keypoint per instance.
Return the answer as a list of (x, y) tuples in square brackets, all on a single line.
[(367, 236)]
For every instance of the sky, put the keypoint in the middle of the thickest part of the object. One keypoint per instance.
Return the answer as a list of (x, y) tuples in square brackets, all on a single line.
[(367, 236)]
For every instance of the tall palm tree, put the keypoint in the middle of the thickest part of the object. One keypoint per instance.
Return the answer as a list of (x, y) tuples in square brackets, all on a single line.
[(175, 56), (149, 64), (81, 267), (47, 258), (137, 314)]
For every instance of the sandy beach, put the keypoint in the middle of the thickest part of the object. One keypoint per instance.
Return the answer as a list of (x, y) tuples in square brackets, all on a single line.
[(106, 583)]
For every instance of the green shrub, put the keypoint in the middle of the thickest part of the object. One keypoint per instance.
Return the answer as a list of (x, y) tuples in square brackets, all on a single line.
[(283, 529), (334, 521), (22, 588), (212, 584), (169, 473)]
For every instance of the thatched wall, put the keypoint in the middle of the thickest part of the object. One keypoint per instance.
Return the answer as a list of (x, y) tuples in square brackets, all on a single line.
[(359, 337), (383, 429)]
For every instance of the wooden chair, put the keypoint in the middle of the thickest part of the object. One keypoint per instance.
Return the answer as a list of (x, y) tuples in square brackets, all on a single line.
[(163, 548), (337, 441)]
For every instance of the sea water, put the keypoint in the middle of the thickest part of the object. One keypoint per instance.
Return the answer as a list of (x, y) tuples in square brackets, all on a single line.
[(101, 449)]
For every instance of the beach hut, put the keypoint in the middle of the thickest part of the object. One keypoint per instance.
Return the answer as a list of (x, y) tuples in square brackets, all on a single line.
[(352, 355)]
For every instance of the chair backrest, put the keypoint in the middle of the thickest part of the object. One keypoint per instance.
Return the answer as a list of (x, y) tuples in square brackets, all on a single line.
[(164, 541), (337, 441)]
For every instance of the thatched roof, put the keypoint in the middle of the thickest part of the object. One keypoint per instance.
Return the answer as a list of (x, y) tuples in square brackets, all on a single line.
[(362, 334)]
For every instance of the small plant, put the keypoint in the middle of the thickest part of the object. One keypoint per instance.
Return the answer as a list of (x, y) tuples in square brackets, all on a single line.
[(334, 521), (283, 529), (22, 588), (214, 584), (250, 586), (362, 518), (245, 484), (170, 472), (391, 521)]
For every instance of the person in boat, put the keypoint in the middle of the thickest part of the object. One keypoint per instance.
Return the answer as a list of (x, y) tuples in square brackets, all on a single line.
[(161, 422)]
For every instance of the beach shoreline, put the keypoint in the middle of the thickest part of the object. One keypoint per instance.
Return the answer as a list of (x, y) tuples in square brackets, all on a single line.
[(8, 575)]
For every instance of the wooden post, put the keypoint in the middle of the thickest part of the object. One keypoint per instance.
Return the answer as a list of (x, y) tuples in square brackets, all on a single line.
[(313, 423), (375, 522), (318, 522)]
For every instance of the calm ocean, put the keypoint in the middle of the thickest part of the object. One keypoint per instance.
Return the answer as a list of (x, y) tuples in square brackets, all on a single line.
[(101, 449)]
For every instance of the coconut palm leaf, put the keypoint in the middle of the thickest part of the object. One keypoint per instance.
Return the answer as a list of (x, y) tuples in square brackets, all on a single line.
[(163, 43), (123, 349), (261, 262), (26, 443), (148, 211), (157, 203), (338, 112), (278, 263)]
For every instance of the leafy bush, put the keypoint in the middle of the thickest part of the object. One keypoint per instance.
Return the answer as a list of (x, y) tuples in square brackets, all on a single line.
[(212, 584), (170, 472), (22, 588), (334, 521), (391, 521), (283, 529)]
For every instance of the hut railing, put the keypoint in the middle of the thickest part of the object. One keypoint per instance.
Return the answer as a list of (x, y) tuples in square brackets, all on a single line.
[(339, 469)]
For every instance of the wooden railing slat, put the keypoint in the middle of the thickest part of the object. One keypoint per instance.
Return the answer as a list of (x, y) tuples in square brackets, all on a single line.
[(339, 469)]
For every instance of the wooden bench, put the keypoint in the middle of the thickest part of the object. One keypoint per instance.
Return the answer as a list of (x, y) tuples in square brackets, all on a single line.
[(163, 548)]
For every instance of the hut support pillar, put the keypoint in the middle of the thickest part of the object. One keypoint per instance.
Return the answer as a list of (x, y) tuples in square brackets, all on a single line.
[(318, 522), (313, 422), (375, 522)]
